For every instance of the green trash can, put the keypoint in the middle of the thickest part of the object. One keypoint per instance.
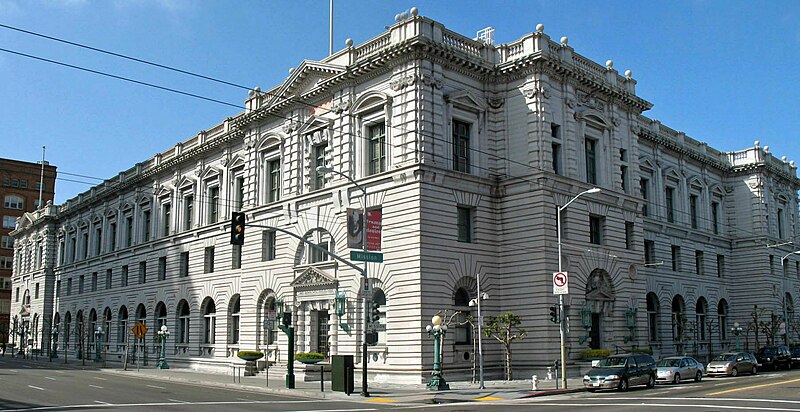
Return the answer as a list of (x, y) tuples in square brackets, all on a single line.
[(342, 368)]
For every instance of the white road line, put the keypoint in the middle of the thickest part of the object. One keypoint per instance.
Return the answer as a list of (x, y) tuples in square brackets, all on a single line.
[(157, 404), (61, 372), (36, 387), (156, 387), (99, 378), (52, 379), (666, 405), (177, 401), (103, 403), (13, 371), (97, 387)]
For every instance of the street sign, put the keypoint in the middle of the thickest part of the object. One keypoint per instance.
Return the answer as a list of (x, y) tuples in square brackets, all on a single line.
[(366, 256), (560, 283), (139, 330)]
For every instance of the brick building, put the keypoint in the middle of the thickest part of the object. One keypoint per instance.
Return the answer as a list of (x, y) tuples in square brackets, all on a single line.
[(20, 194)]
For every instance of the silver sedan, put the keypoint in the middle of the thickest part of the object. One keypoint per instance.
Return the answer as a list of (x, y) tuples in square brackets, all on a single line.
[(676, 368)]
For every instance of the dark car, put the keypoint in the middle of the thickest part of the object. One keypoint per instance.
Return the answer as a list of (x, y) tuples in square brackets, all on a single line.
[(774, 357), (621, 372), (795, 356)]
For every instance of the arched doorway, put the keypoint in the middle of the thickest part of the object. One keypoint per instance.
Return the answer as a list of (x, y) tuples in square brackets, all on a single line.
[(600, 301)]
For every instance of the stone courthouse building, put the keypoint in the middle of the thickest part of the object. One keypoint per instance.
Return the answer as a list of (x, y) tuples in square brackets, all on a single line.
[(467, 149)]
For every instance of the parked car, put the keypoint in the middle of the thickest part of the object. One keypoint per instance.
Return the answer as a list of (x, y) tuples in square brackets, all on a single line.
[(732, 363), (774, 357), (621, 372), (676, 368), (795, 356)]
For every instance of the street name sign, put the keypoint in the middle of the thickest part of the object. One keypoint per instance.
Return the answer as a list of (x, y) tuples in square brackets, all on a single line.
[(560, 283), (360, 256)]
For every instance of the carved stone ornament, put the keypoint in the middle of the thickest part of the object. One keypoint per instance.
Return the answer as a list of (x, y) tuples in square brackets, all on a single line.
[(495, 102), (341, 106), (588, 100), (429, 80), (313, 278), (616, 121), (571, 103), (635, 129), (532, 92), (290, 126), (403, 82)]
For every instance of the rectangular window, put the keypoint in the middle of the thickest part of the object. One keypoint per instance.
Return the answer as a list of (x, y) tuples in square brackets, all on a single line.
[(184, 269), (318, 255), (715, 217), (142, 272), (69, 287), (188, 210), (112, 237), (166, 212), (676, 258), (146, 225), (649, 252), (669, 194), (208, 261), (58, 288), (720, 265), (213, 208), (129, 231), (162, 268), (591, 160), (268, 245), (464, 224), (698, 262), (36, 291), (596, 230), (80, 284), (6, 262), (623, 173), (9, 221), (629, 227), (461, 146), (123, 277), (94, 281), (239, 192), (16, 298), (319, 161), (771, 265), (643, 184), (780, 223), (109, 278), (274, 167), (85, 244), (557, 158), (8, 242), (236, 257), (98, 240), (377, 148), (693, 210)]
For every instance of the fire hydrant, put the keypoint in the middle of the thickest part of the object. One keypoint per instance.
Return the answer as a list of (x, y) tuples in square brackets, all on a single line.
[(535, 381)]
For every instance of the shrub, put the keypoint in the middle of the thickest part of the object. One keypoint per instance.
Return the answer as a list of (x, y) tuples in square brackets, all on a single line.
[(308, 355), (590, 354), (249, 353)]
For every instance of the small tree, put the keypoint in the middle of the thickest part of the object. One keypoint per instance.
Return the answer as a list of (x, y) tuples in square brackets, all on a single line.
[(505, 329)]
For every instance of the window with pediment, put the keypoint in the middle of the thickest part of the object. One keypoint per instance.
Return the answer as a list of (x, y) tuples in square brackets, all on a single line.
[(270, 160)]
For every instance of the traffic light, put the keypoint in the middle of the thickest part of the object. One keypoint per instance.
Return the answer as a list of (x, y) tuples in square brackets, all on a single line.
[(375, 312), (237, 228), (554, 313), (286, 319)]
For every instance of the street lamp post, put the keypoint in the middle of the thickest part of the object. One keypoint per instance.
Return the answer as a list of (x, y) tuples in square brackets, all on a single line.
[(562, 320), (324, 169), (737, 330), (98, 343), (437, 329), (163, 333), (783, 298), (54, 337), (477, 302)]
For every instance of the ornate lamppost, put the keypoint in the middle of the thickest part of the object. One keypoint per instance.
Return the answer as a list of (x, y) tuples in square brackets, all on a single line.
[(737, 330), (477, 302), (437, 329), (163, 333), (54, 337), (98, 339)]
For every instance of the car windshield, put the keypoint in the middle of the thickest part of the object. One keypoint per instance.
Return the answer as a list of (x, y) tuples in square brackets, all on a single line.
[(796, 351), (768, 351), (729, 357), (611, 362), (669, 363)]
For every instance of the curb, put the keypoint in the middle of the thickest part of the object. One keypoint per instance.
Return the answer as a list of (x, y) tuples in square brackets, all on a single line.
[(553, 392)]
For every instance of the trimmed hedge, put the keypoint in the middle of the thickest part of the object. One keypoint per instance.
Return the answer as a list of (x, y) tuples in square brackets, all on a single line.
[(249, 353), (590, 354), (308, 355)]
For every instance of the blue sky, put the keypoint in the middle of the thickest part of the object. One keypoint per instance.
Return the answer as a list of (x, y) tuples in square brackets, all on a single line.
[(724, 72)]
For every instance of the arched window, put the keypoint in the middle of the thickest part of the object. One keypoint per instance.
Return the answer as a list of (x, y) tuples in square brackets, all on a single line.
[(463, 330), (701, 313), (183, 321), (269, 321), (322, 239), (67, 327), (79, 331), (678, 319), (161, 315), (107, 324), (378, 310), (234, 309), (722, 317), (653, 308), (141, 314), (122, 324), (14, 202), (209, 320), (92, 324)]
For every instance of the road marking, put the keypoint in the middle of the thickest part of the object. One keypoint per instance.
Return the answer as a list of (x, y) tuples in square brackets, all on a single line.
[(645, 398), (381, 400), (210, 403), (663, 405), (52, 379), (178, 401), (97, 387), (61, 372), (752, 387), (101, 379), (13, 371), (36, 387), (489, 398), (103, 403), (156, 387)]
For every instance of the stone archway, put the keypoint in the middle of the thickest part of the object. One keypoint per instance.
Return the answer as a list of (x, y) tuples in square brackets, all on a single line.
[(600, 301)]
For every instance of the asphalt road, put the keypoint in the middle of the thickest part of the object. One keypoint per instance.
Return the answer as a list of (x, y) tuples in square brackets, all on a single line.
[(37, 386)]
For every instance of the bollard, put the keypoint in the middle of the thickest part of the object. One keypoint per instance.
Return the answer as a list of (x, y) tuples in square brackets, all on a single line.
[(549, 373), (535, 381)]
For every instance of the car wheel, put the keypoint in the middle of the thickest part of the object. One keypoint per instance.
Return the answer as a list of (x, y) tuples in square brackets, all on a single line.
[(677, 379), (623, 385), (754, 371), (735, 372), (651, 383), (698, 377)]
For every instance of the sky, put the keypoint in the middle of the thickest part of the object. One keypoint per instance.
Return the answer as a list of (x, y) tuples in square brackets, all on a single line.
[(724, 72)]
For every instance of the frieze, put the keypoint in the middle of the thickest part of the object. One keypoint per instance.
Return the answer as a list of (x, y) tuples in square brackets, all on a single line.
[(313, 278), (341, 106), (532, 92), (590, 101), (403, 82), (290, 126), (429, 80)]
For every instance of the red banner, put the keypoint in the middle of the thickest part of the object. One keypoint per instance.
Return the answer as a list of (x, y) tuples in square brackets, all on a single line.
[(374, 225)]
